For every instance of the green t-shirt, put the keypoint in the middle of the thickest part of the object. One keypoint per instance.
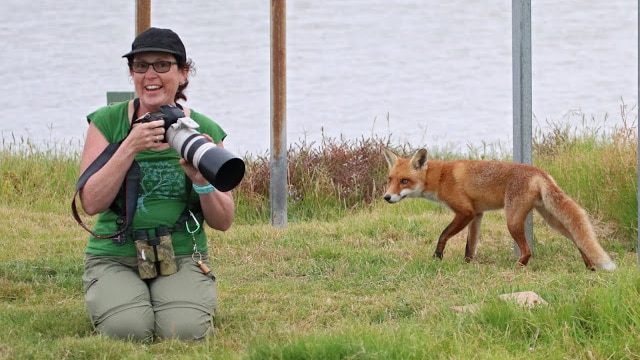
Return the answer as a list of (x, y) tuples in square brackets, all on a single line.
[(162, 193)]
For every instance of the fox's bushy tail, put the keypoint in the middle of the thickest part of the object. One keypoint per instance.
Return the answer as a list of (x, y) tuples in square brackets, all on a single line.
[(571, 220)]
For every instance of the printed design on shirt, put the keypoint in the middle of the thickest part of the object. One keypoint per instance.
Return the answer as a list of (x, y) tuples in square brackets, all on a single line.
[(160, 180)]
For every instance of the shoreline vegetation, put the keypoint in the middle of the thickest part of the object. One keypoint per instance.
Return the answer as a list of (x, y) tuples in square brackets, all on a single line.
[(351, 276)]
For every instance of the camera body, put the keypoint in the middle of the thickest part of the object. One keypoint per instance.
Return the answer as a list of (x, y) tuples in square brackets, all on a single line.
[(219, 166), (170, 115)]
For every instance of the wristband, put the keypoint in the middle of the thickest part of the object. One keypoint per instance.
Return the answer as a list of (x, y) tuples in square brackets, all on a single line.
[(203, 189)]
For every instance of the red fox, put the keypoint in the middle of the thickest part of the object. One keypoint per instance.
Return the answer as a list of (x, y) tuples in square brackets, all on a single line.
[(471, 187)]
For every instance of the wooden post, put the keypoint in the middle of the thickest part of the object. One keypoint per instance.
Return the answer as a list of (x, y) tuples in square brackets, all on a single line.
[(143, 22), (278, 166), (143, 15)]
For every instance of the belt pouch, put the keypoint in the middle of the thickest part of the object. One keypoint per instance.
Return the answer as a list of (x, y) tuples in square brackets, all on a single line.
[(164, 250), (146, 255)]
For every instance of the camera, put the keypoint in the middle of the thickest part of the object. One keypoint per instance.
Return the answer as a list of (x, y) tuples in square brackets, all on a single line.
[(219, 166)]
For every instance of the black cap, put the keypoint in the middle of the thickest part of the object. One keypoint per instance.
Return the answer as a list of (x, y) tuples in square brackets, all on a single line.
[(161, 40)]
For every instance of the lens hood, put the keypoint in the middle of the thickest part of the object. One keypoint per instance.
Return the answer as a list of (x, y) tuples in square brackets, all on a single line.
[(223, 169)]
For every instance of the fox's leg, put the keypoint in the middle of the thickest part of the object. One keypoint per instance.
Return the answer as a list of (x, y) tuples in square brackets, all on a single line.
[(472, 237), (557, 225), (590, 265), (553, 221), (515, 223), (460, 221)]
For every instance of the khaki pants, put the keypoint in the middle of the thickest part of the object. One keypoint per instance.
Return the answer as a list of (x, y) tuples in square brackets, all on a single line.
[(123, 306)]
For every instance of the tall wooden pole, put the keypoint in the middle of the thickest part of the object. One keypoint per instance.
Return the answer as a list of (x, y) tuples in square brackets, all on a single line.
[(278, 166), (143, 15), (143, 22)]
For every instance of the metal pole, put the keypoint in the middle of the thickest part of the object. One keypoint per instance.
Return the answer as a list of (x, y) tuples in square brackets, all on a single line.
[(278, 166), (522, 113), (143, 15), (638, 190)]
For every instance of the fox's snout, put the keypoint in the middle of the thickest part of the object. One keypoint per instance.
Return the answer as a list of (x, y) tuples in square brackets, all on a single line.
[(392, 198)]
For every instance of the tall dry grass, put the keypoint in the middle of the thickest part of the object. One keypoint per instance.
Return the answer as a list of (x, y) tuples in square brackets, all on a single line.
[(596, 164)]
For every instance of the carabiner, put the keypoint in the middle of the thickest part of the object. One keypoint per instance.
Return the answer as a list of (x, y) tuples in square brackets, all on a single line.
[(186, 223)]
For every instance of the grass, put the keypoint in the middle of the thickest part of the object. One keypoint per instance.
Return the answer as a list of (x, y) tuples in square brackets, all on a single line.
[(350, 277)]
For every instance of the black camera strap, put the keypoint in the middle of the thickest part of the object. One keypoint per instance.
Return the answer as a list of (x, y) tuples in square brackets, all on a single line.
[(131, 184)]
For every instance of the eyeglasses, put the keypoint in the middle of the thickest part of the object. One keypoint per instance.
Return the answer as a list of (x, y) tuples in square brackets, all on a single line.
[(141, 67)]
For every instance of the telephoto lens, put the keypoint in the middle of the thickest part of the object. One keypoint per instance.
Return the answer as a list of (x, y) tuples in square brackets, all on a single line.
[(219, 166)]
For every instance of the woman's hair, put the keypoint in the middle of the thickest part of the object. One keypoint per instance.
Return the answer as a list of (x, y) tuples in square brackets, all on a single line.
[(191, 70)]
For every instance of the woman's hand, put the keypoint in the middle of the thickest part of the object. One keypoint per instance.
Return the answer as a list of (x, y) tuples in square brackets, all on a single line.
[(146, 136), (218, 207)]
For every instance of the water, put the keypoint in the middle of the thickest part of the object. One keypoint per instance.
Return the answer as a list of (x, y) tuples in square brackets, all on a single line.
[(420, 72)]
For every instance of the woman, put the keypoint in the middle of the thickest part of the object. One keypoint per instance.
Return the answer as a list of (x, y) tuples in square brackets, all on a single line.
[(123, 301)]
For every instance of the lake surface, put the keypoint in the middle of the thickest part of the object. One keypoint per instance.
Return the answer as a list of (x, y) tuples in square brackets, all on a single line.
[(427, 73)]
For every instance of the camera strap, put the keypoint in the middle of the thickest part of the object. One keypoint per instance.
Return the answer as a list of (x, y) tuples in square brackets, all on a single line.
[(131, 185)]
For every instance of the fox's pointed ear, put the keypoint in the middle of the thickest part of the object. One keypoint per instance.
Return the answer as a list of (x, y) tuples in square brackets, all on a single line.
[(390, 157), (419, 160)]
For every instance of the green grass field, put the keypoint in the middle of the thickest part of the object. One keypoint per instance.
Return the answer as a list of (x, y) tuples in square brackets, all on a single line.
[(351, 277)]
